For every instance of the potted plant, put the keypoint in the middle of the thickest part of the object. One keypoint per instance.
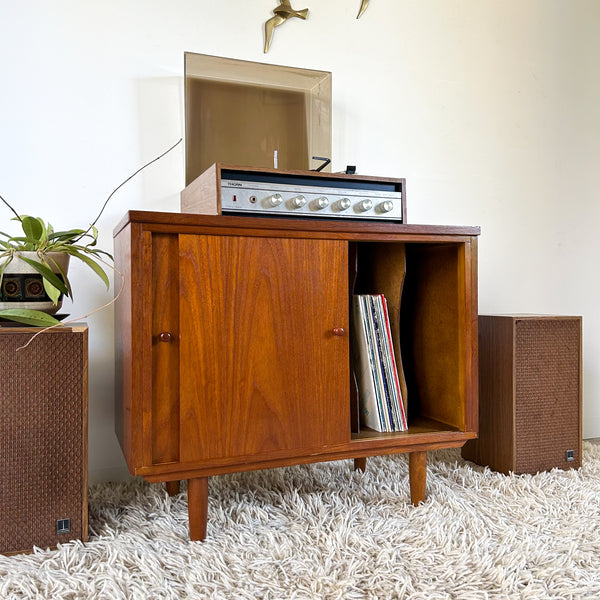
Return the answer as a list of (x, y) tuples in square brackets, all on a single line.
[(34, 266)]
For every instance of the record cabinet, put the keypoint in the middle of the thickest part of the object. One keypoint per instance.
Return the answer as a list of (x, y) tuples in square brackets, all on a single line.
[(43, 437), (233, 347)]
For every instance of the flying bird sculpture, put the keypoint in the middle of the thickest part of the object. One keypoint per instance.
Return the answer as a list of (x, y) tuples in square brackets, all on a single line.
[(282, 13), (363, 7)]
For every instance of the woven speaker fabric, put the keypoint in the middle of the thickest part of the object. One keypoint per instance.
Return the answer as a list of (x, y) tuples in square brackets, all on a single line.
[(547, 382), (43, 453)]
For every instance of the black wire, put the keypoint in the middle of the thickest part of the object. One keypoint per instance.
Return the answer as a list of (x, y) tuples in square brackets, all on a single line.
[(123, 183)]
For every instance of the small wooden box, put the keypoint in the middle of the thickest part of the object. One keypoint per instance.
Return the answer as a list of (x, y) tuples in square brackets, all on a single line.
[(43, 437), (530, 370)]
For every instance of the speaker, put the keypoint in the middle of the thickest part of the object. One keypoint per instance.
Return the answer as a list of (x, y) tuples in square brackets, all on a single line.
[(530, 369), (43, 437)]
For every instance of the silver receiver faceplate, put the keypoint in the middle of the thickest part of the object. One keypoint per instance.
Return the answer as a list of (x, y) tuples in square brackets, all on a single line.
[(309, 200)]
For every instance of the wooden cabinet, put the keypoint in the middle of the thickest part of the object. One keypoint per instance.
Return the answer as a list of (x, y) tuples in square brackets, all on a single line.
[(233, 343)]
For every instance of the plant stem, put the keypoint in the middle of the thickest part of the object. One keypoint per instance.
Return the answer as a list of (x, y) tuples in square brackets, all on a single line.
[(13, 210)]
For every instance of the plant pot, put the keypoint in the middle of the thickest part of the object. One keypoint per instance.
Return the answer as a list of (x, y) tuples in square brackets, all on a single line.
[(23, 287)]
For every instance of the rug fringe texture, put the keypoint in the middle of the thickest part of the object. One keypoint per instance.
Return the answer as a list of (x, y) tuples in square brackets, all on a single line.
[(326, 532)]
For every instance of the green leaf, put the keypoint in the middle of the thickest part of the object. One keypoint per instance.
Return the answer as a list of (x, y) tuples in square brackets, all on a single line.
[(65, 235), (90, 263), (45, 230), (33, 228), (98, 251), (56, 268), (47, 274), (52, 292), (28, 316)]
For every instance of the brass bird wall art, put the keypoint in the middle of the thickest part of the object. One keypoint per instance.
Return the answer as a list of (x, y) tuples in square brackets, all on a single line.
[(281, 14), (363, 6)]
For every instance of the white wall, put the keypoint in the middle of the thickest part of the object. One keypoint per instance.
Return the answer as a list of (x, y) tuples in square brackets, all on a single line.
[(491, 110)]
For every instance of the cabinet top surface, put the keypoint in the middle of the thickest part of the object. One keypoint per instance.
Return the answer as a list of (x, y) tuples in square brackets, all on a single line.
[(8, 327), (235, 224)]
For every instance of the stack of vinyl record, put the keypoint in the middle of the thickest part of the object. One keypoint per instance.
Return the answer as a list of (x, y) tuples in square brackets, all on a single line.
[(380, 397)]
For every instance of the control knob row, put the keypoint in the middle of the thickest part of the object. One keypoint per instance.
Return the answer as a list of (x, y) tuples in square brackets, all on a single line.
[(363, 205), (323, 202)]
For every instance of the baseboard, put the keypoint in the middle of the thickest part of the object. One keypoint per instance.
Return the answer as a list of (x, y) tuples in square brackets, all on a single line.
[(110, 474)]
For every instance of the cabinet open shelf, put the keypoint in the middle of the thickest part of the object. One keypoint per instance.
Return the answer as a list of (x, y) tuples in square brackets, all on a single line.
[(417, 426), (233, 343), (426, 298)]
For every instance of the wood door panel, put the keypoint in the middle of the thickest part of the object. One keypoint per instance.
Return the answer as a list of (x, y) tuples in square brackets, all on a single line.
[(165, 353), (261, 369)]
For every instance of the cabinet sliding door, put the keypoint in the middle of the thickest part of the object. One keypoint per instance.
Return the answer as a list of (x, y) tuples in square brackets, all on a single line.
[(263, 345)]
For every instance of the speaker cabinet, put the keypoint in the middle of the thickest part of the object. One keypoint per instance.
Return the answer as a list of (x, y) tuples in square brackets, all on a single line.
[(530, 370), (43, 437)]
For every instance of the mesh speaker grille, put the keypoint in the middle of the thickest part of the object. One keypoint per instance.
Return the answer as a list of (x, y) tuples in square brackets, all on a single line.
[(43, 456), (547, 407)]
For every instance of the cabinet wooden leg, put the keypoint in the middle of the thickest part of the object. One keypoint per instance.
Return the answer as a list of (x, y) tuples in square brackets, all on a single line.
[(198, 507), (172, 488), (360, 464), (417, 472)]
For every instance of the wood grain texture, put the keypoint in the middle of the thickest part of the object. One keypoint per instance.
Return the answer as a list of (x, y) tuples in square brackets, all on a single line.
[(367, 443), (433, 329), (165, 348), (530, 388), (129, 315), (290, 228), (155, 474), (496, 443), (258, 346), (417, 469), (203, 195), (172, 487), (198, 507), (360, 464), (254, 368), (471, 335)]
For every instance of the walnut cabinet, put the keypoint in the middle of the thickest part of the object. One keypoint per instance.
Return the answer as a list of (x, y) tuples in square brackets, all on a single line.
[(233, 343)]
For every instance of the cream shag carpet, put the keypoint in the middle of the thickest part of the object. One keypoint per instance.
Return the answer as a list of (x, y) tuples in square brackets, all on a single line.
[(325, 532)]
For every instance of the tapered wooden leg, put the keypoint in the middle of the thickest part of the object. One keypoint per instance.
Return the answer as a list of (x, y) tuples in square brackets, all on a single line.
[(417, 473), (172, 488), (360, 464), (198, 507)]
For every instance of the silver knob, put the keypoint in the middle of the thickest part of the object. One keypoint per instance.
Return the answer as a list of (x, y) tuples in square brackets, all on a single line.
[(297, 201), (273, 200), (320, 203), (364, 206), (385, 207), (342, 204)]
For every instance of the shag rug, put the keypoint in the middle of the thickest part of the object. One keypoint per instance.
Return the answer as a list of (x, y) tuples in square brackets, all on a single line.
[(326, 532)]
